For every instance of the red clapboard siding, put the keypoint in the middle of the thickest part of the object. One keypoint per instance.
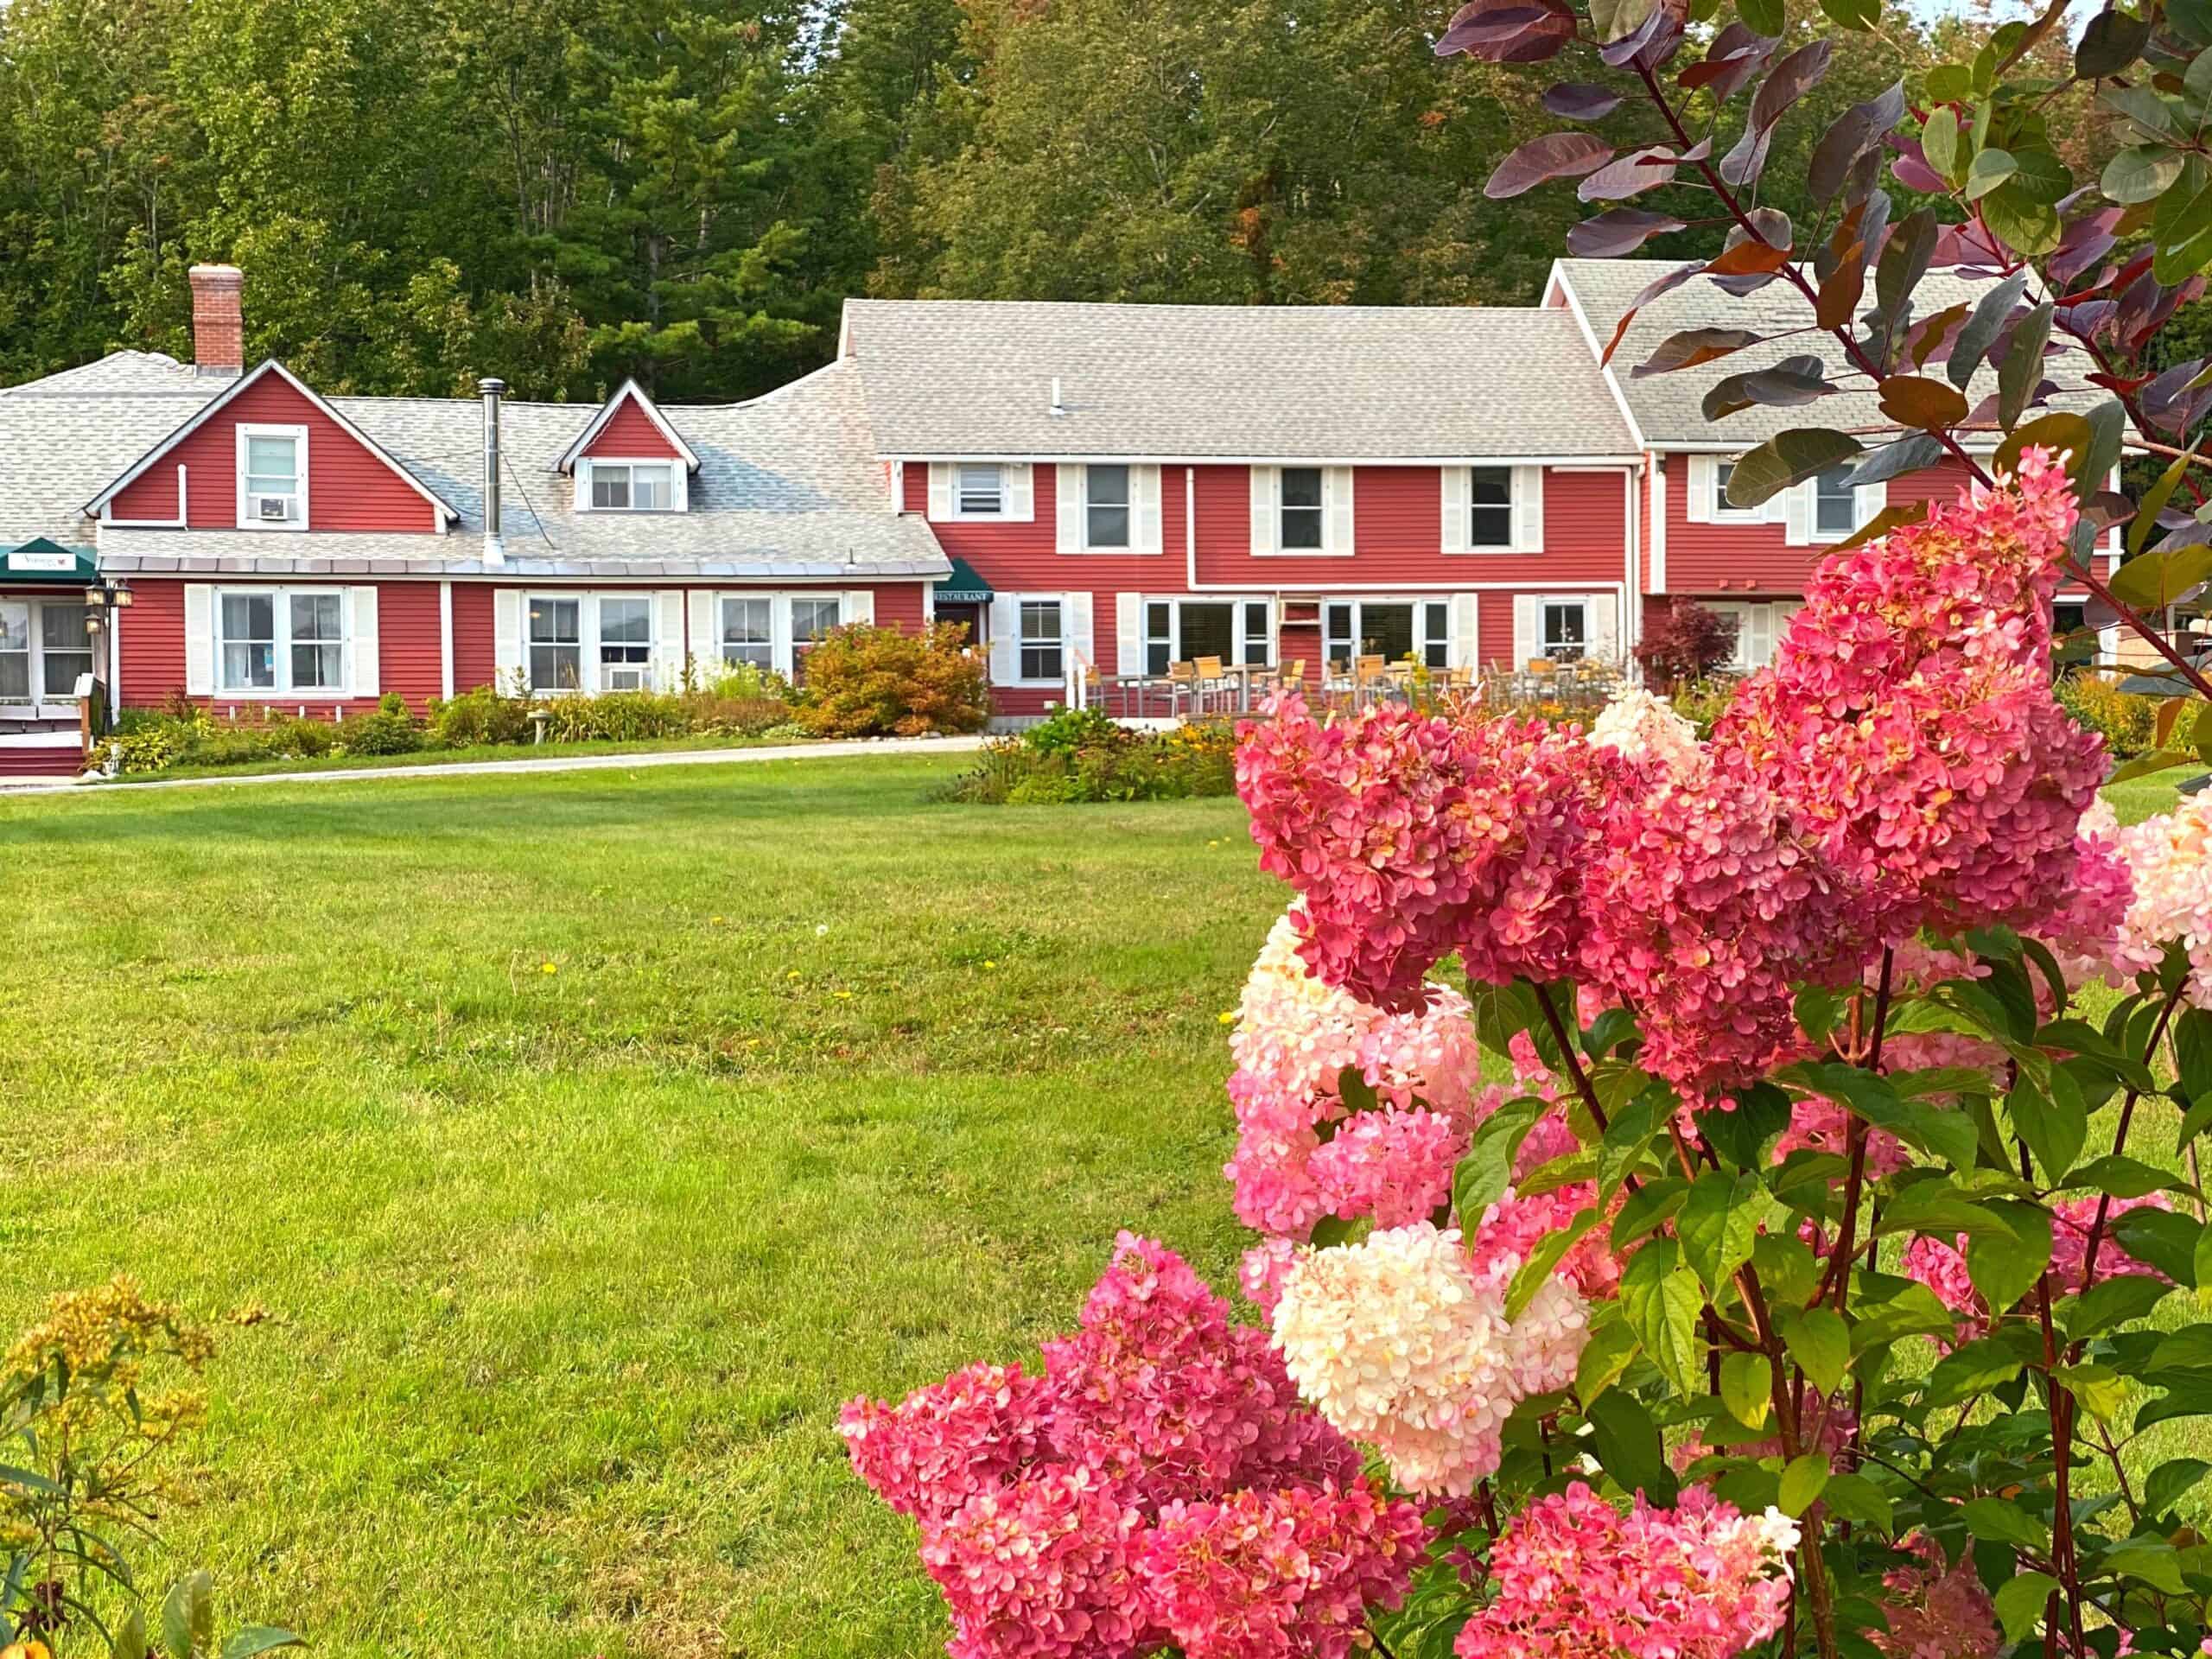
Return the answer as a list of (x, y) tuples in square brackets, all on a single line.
[(348, 487), (59, 760), (1750, 559), (629, 434), (475, 653), (1398, 535), (408, 649)]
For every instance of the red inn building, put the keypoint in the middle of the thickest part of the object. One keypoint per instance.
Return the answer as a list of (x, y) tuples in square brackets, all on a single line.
[(1088, 488)]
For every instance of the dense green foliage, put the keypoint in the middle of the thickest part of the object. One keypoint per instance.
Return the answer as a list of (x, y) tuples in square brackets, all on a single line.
[(422, 192)]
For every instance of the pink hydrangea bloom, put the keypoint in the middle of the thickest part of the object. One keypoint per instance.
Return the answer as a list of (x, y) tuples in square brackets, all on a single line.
[(1393, 1166), (1280, 1574), (1942, 1267), (1641, 725), (1045, 1568), (943, 1444), (1936, 1611), (1577, 1579)]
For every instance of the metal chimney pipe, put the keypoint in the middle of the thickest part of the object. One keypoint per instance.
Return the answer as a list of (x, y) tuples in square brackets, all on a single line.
[(1058, 408), (493, 389)]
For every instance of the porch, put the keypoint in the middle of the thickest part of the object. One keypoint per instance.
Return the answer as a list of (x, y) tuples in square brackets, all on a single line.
[(53, 667)]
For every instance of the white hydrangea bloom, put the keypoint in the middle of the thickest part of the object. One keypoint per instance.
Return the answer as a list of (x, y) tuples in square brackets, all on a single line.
[(1643, 726), (1396, 1343)]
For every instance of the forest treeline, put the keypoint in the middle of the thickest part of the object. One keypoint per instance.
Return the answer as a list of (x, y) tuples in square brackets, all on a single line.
[(567, 192)]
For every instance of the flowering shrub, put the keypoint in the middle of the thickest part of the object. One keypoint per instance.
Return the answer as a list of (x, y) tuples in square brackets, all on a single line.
[(93, 1399), (1160, 1482), (1080, 755), (1686, 641), (1774, 1298), (870, 682)]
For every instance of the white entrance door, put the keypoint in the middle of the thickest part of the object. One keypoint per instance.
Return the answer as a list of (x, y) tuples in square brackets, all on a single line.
[(45, 645), (14, 651)]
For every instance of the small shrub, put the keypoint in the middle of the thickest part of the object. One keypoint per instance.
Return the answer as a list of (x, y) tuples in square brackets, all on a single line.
[(480, 717), (617, 716), (1067, 730), (384, 731), (871, 681), (2127, 722), (1702, 701), (1685, 643)]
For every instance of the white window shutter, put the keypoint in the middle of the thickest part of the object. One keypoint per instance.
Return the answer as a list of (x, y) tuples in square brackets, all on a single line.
[(362, 650), (1020, 492), (858, 607), (1082, 642), (1697, 504), (706, 644), (1459, 506), (1601, 626), (1528, 509), (1264, 525), (1870, 500), (1144, 490), (1527, 627), (506, 634), (1335, 510), (1067, 519), (668, 639), (588, 628), (1796, 504), (940, 489), (1466, 649), (1006, 629), (198, 639), (1129, 633), (1759, 649)]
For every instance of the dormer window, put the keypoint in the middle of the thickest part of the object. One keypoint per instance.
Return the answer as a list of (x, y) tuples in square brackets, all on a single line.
[(633, 486), (272, 477)]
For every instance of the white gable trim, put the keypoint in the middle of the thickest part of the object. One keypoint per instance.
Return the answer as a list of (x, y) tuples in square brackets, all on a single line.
[(1557, 284), (97, 508), (628, 389)]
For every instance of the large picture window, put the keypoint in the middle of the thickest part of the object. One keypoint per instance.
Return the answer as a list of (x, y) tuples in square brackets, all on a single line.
[(1182, 631), (279, 640), (1396, 630)]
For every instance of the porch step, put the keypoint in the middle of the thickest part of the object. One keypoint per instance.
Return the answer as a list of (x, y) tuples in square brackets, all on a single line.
[(41, 761)]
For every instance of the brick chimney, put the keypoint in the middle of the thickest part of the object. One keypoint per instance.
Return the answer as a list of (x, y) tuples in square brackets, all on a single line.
[(218, 321)]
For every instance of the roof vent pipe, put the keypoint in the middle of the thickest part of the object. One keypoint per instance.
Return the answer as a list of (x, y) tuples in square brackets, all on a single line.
[(494, 547), (1058, 408)]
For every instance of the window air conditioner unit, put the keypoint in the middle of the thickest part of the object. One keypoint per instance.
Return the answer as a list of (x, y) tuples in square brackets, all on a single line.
[(272, 509)]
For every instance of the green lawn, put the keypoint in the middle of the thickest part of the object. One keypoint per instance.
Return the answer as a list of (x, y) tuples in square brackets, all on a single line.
[(561, 1173), (477, 752)]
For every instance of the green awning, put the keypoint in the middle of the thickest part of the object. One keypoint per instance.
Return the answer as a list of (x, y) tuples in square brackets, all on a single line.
[(964, 586), (49, 563)]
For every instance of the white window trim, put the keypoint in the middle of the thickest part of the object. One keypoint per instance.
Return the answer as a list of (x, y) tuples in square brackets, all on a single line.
[(280, 601), (35, 700), (679, 494), (1418, 601), (1867, 500), (1270, 640), (1514, 489), (587, 643), (1718, 510), (783, 646), (246, 519), (1524, 509), (1006, 494), (1127, 504), (1580, 602), (1059, 603)]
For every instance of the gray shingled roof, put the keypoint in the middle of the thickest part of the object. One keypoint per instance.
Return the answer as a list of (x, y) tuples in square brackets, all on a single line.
[(1668, 407), (948, 378), (788, 484)]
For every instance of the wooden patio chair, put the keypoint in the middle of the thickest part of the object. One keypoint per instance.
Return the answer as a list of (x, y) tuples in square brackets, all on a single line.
[(1182, 686), (1213, 684)]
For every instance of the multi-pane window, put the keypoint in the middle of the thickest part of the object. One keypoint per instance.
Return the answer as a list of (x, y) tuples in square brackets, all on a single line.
[(1043, 657), (557, 645), (1106, 507), (1436, 633), (318, 642), (979, 490), (65, 642), (1181, 631), (1722, 471), (249, 656), (632, 486), (1835, 504), (748, 633), (811, 621), (625, 644), (15, 652), (1491, 516), (1565, 630), (272, 478), (1337, 636), (1259, 642), (1301, 508), (1158, 635)]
